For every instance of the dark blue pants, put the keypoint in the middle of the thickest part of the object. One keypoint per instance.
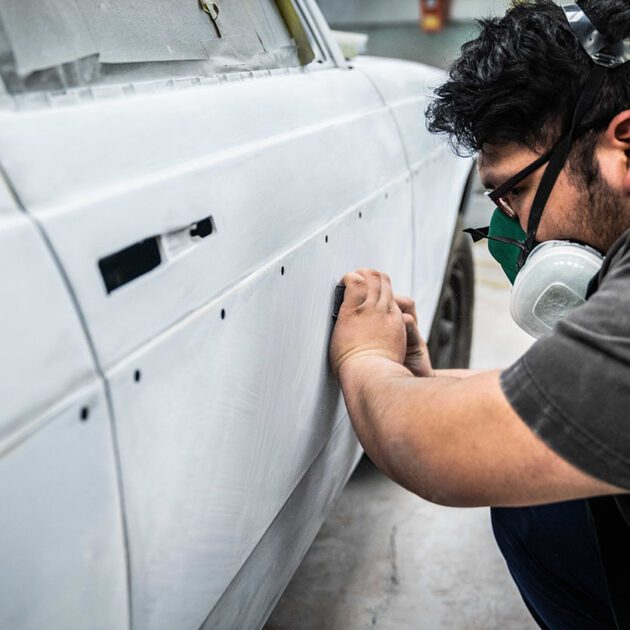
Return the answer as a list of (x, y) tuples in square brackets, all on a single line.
[(552, 554)]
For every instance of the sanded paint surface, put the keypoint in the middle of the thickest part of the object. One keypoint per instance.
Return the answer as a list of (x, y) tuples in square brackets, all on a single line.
[(44, 350), (283, 546), (387, 559), (269, 174), (62, 542), (225, 410), (63, 562), (438, 176), (231, 412)]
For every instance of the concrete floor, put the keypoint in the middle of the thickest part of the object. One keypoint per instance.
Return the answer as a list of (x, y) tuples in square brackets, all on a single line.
[(388, 559)]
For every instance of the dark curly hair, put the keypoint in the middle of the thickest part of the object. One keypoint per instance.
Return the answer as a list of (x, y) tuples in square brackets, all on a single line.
[(521, 78)]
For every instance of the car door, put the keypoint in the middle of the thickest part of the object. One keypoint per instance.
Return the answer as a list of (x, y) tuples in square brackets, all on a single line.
[(61, 534), (438, 175), (203, 224)]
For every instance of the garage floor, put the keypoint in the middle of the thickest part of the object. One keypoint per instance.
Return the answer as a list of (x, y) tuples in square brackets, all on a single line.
[(385, 558)]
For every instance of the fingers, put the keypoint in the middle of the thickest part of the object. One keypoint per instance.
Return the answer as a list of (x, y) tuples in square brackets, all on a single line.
[(387, 301), (374, 282), (356, 290), (407, 305), (410, 322), (413, 336), (363, 286), (370, 287)]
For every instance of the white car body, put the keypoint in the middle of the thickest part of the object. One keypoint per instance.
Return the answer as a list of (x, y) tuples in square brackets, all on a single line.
[(169, 450)]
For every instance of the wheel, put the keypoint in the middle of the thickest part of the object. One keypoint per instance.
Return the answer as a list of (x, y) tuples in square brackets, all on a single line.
[(451, 333)]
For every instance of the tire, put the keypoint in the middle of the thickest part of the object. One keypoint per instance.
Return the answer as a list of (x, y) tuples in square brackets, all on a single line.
[(451, 333)]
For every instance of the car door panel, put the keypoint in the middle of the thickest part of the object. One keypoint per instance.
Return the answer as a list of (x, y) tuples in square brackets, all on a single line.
[(207, 475), (62, 542), (438, 175), (218, 418), (256, 588), (106, 163)]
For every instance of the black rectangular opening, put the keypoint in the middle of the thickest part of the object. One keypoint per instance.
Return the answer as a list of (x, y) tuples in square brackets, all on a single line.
[(130, 263)]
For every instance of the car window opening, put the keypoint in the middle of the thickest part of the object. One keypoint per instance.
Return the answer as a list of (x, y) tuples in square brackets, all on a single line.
[(83, 43)]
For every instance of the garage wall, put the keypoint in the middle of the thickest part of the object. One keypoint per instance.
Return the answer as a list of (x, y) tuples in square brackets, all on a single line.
[(377, 11), (470, 9)]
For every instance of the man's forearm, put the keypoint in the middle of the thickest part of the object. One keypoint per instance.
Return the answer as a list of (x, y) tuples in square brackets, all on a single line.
[(376, 394), (457, 373)]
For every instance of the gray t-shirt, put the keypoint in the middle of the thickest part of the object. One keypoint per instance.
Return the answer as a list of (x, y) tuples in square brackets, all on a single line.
[(572, 389)]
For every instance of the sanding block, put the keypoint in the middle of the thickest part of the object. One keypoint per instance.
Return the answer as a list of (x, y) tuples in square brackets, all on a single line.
[(340, 291)]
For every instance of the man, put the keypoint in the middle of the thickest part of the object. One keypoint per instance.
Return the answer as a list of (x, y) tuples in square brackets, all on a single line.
[(553, 430)]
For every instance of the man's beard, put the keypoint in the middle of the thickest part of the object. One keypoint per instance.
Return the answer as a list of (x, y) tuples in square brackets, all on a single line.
[(607, 214)]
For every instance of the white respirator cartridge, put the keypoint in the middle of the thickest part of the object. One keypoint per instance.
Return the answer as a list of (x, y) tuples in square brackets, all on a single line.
[(552, 283)]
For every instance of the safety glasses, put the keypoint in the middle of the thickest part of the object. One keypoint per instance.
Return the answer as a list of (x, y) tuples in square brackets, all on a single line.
[(605, 57), (499, 196)]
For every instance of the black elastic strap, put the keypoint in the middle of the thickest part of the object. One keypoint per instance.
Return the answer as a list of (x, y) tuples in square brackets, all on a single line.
[(559, 156), (505, 188), (479, 234)]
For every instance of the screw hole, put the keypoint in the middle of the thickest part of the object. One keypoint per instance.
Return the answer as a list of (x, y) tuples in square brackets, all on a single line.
[(326, 239), (222, 313), (360, 214), (84, 414), (282, 271), (137, 375)]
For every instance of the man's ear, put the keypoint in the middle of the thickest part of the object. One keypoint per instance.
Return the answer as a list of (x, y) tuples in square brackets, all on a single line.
[(617, 137)]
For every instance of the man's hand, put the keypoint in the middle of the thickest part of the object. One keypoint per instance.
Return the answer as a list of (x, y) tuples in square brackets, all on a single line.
[(370, 323), (417, 359)]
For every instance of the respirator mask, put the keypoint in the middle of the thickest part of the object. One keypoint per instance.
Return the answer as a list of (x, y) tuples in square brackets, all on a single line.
[(551, 278)]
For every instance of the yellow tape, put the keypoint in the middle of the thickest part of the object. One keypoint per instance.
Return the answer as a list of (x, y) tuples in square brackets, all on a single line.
[(296, 30)]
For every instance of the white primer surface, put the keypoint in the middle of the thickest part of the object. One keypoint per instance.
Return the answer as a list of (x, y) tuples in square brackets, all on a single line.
[(231, 412), (313, 145), (44, 351), (438, 176), (62, 543), (226, 415)]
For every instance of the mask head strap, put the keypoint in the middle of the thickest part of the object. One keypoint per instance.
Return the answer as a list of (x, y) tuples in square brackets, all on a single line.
[(596, 46), (558, 158), (478, 234)]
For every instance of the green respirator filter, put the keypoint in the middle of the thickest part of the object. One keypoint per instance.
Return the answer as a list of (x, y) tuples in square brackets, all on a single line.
[(505, 254)]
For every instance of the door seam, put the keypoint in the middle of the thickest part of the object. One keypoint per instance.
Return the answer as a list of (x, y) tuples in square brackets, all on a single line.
[(100, 375)]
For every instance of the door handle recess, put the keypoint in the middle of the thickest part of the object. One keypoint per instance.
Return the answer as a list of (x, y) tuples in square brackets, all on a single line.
[(130, 263), (127, 264)]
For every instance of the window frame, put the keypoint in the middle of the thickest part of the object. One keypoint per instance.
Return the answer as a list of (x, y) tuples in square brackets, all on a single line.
[(324, 59), (321, 30)]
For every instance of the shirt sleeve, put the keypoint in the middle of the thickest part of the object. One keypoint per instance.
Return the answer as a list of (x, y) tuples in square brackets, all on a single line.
[(572, 388)]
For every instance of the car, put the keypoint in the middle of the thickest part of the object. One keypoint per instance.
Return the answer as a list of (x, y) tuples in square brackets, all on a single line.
[(181, 189)]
